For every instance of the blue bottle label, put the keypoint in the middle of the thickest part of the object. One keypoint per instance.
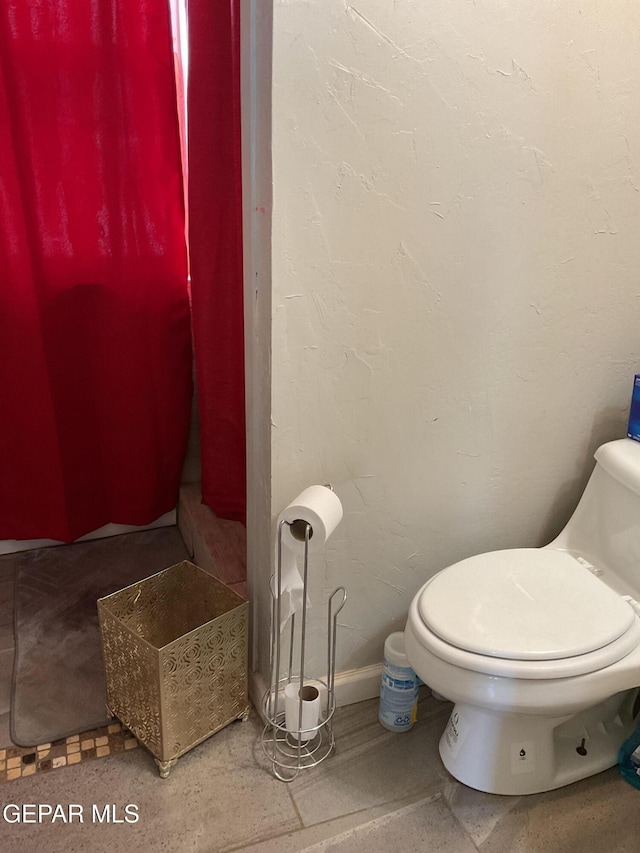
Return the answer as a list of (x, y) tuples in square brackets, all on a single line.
[(398, 697)]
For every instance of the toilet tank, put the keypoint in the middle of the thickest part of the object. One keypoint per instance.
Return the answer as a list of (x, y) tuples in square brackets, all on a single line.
[(605, 527)]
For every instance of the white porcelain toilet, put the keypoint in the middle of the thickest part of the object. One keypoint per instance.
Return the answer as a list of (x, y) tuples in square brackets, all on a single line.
[(539, 648)]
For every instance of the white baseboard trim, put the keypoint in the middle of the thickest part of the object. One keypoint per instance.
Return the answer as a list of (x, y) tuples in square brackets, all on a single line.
[(357, 685), (354, 685)]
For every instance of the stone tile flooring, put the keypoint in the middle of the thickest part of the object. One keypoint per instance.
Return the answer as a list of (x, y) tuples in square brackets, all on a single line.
[(380, 793)]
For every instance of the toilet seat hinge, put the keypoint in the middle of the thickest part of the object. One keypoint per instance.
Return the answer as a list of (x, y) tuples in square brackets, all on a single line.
[(632, 603)]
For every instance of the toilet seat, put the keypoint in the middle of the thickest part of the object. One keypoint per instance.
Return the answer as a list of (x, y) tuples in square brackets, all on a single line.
[(524, 613)]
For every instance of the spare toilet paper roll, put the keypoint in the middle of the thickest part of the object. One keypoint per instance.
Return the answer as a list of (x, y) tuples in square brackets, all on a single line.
[(309, 696), (320, 507)]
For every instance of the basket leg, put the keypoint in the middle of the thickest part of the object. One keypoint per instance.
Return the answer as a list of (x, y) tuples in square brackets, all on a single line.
[(164, 767), (109, 712), (244, 716)]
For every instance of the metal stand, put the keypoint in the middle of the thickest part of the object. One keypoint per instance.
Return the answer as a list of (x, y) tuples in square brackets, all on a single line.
[(291, 750)]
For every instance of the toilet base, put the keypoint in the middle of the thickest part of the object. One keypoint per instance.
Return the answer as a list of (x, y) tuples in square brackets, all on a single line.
[(526, 754)]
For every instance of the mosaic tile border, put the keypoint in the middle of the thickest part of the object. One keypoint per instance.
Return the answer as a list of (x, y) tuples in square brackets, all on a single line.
[(19, 761)]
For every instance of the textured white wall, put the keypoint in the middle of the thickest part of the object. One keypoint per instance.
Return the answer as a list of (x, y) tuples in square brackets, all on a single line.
[(455, 277)]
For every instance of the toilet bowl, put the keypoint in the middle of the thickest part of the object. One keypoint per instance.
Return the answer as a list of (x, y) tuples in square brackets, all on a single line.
[(539, 648)]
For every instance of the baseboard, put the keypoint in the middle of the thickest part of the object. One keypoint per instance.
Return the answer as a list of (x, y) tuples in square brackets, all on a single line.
[(357, 685), (351, 686)]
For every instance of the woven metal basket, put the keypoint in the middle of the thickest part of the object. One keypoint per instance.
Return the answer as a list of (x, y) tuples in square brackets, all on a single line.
[(175, 657)]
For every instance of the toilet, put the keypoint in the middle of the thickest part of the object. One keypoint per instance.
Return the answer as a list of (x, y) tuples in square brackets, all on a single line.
[(539, 648)]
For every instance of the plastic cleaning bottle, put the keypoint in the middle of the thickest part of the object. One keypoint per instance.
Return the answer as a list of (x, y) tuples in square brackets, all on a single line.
[(399, 687), (629, 759)]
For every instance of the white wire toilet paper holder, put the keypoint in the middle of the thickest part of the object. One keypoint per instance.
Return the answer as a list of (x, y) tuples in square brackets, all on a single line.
[(291, 749)]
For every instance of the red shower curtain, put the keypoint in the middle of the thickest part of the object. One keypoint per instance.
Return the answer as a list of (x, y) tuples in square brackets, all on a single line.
[(215, 246), (95, 357)]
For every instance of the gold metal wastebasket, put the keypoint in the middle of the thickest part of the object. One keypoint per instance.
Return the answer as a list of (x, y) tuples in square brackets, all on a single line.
[(175, 658)]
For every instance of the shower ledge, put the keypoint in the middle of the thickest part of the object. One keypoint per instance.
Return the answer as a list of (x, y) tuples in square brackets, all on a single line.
[(217, 545)]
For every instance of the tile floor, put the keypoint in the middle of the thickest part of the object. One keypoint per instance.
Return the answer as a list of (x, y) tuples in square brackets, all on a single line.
[(380, 793)]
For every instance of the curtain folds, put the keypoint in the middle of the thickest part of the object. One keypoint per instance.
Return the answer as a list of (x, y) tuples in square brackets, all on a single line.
[(95, 349), (215, 247)]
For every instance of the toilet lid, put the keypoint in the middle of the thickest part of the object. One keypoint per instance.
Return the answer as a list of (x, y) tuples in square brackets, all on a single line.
[(523, 604)]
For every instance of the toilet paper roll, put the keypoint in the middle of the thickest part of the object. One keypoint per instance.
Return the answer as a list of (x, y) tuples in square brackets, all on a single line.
[(309, 697), (320, 507)]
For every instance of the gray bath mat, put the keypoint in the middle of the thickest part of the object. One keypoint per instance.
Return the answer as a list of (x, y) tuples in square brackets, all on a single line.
[(58, 679)]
